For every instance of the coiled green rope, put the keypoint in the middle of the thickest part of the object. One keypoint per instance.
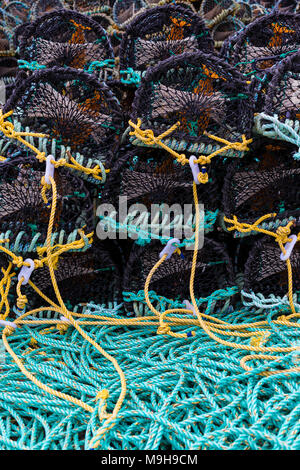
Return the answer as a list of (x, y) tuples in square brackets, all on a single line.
[(182, 393)]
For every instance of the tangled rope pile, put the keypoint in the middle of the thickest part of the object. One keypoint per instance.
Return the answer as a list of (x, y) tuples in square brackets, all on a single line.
[(211, 373), (182, 394)]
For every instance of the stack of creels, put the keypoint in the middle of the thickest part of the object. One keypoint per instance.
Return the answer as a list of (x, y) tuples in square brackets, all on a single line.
[(66, 38), (73, 108), (24, 215), (213, 272), (160, 33)]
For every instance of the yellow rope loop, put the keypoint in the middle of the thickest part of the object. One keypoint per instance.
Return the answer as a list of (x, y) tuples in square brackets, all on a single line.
[(148, 138), (203, 178), (8, 129), (163, 330), (5, 284), (281, 237), (22, 301), (18, 261), (45, 186), (2, 159), (282, 234)]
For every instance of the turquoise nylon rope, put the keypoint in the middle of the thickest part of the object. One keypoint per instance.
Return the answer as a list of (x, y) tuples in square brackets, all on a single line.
[(182, 393)]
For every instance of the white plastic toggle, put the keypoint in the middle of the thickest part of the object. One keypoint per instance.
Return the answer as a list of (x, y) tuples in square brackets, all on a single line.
[(194, 168), (65, 319), (189, 306), (8, 323), (169, 248), (49, 169), (26, 271), (289, 248)]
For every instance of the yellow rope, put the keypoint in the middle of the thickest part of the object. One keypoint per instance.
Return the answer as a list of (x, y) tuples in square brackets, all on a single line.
[(4, 290), (281, 236), (257, 338), (147, 137), (7, 128)]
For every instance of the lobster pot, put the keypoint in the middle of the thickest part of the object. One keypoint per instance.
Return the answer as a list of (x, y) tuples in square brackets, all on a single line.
[(73, 108), (162, 32), (24, 216)]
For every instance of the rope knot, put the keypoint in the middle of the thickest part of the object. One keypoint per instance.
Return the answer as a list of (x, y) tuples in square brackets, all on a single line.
[(163, 330), (102, 395), (18, 261), (60, 162), (62, 328), (8, 330), (281, 318), (283, 233), (260, 339), (22, 301), (8, 129)]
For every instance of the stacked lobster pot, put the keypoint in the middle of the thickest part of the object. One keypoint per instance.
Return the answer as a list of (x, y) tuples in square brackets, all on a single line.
[(164, 127)]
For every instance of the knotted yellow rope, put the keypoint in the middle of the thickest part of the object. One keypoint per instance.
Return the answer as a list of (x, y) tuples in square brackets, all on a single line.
[(4, 290), (148, 138), (281, 237), (7, 128)]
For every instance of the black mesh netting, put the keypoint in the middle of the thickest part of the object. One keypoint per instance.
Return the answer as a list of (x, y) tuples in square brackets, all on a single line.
[(65, 38), (211, 10), (160, 33), (14, 13), (265, 182), (283, 93), (171, 280), (150, 176), (265, 272), (264, 42), (72, 107), (225, 29), (40, 7), (24, 216), (203, 93), (124, 10), (90, 5), (91, 276)]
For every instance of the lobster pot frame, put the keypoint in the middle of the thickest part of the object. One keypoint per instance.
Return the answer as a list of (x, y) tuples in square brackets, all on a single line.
[(71, 107), (160, 33), (88, 277), (67, 38), (265, 182), (266, 274), (24, 216), (201, 92), (263, 43), (213, 271)]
